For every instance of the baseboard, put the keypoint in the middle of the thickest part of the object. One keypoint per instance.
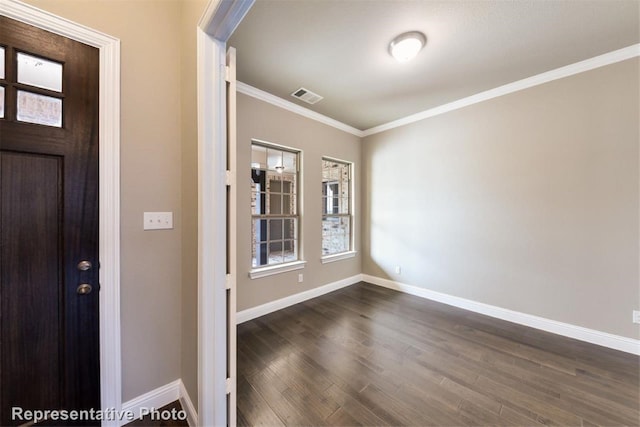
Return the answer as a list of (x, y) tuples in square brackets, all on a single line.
[(270, 307), (187, 405), (160, 397), (628, 345), (156, 398)]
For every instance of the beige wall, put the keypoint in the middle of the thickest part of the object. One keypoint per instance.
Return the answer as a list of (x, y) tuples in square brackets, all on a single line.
[(259, 120), (158, 336), (528, 201), (191, 12)]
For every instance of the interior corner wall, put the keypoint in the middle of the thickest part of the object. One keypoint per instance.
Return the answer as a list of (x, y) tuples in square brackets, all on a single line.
[(259, 120), (150, 148), (528, 201)]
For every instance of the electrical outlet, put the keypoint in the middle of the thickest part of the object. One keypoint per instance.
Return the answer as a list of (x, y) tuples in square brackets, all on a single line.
[(158, 220), (636, 316), (300, 278), (398, 270)]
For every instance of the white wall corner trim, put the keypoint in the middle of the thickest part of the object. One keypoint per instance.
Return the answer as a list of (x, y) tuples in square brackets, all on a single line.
[(221, 17), (109, 178), (295, 108), (628, 345), (270, 307), (559, 73)]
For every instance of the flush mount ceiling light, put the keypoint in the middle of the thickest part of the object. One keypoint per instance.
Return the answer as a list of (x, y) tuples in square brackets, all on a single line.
[(407, 45)]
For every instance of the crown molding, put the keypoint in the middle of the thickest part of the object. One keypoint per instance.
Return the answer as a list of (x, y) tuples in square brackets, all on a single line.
[(559, 73), (546, 77), (295, 108)]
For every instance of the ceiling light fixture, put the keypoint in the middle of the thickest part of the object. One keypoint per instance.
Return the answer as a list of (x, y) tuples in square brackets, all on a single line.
[(407, 45), (279, 168)]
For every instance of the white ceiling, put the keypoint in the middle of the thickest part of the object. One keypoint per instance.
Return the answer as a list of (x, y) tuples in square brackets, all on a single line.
[(339, 49)]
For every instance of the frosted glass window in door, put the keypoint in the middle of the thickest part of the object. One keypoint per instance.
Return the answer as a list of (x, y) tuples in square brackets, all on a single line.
[(39, 72), (39, 109), (1, 102), (2, 63)]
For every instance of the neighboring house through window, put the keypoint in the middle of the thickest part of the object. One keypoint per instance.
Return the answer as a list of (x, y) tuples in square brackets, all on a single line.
[(274, 205), (337, 220)]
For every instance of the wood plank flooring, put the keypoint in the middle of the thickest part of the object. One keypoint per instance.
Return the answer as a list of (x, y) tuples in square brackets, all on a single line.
[(157, 421), (366, 355)]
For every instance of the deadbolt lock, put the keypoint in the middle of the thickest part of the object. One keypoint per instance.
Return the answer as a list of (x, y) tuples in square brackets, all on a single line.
[(84, 289)]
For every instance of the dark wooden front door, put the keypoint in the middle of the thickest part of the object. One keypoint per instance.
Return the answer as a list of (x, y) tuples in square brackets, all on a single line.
[(49, 343)]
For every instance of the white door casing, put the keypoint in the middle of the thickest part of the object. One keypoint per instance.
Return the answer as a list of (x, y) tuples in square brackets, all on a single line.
[(220, 19)]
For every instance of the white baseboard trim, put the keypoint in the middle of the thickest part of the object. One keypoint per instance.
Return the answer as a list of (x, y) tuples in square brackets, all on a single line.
[(628, 345), (158, 398), (187, 405), (270, 307)]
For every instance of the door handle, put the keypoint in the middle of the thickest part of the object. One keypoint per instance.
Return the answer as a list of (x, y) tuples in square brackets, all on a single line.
[(84, 265)]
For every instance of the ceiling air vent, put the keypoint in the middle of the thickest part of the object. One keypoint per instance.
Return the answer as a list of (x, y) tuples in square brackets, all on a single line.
[(306, 95)]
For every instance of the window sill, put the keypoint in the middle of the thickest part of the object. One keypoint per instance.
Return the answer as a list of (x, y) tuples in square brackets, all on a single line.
[(338, 257), (257, 273)]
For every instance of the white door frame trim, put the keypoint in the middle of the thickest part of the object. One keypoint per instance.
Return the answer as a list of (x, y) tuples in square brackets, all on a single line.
[(109, 187), (218, 22)]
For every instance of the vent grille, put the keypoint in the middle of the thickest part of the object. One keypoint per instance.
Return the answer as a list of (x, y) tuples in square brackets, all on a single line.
[(307, 96)]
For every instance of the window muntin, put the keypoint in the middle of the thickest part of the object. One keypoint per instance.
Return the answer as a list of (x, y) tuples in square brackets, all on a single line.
[(274, 205), (337, 216)]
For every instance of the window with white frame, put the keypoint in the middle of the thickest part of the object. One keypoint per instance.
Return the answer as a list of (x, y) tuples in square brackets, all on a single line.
[(274, 205), (337, 220)]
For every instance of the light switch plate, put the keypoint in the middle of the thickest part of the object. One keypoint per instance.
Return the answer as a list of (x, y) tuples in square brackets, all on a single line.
[(158, 220)]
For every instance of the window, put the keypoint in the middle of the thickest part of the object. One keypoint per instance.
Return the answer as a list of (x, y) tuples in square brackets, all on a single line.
[(336, 207), (274, 205), (34, 88)]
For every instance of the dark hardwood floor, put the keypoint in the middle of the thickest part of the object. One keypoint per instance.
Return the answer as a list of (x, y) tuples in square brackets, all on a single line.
[(158, 421), (366, 355)]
